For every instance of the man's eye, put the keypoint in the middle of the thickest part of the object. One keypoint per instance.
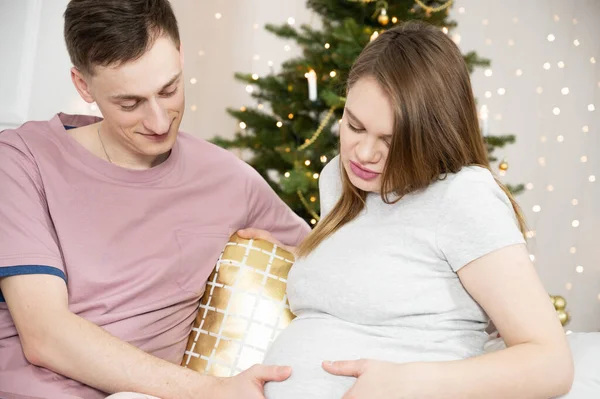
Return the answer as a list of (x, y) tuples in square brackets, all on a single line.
[(170, 93), (129, 107)]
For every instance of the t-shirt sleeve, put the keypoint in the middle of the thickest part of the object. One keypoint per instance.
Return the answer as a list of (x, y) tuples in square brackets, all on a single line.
[(266, 211), (330, 186), (476, 219), (28, 242)]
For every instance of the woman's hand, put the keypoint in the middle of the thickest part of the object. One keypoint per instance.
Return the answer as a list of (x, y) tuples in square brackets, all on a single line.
[(251, 233), (377, 379)]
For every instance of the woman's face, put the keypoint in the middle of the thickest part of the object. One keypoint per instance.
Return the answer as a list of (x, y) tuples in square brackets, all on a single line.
[(366, 134)]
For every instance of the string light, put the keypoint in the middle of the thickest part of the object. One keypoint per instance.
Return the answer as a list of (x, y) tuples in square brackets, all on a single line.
[(193, 81), (445, 30), (488, 72), (532, 257), (593, 60), (575, 223), (519, 72), (260, 106), (556, 18), (279, 124), (316, 176), (333, 74), (511, 42), (327, 45), (291, 21), (243, 109), (255, 26), (201, 53), (574, 201), (218, 15), (536, 208), (242, 125), (542, 161), (313, 221), (485, 22), (568, 286), (579, 269), (256, 57), (591, 107), (539, 90), (543, 139), (576, 42), (551, 37), (323, 159), (529, 186), (550, 188), (461, 10), (488, 42), (501, 91), (583, 159), (287, 47), (572, 250), (546, 65), (560, 138), (592, 178), (194, 107), (270, 63), (561, 64), (585, 129), (307, 162), (254, 76), (556, 111), (290, 116), (249, 89), (394, 20), (287, 174), (488, 94), (515, 20)]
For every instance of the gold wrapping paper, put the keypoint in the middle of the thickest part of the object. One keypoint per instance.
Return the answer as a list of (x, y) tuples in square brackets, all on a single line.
[(243, 309)]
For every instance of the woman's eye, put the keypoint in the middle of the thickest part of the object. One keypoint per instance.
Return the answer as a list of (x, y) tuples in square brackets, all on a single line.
[(355, 129)]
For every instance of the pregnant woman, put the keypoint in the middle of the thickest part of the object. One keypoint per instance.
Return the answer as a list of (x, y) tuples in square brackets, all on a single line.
[(418, 244)]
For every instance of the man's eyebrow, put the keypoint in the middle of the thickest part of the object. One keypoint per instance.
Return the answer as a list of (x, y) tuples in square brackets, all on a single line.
[(139, 98)]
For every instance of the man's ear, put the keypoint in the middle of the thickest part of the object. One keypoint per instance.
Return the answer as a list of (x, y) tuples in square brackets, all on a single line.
[(81, 84)]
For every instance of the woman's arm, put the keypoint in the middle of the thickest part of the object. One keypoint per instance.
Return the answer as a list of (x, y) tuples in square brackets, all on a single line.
[(537, 362)]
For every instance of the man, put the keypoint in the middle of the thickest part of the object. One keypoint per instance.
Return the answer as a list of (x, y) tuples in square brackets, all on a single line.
[(110, 227)]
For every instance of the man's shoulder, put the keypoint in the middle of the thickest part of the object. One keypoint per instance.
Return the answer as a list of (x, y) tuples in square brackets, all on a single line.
[(30, 134)]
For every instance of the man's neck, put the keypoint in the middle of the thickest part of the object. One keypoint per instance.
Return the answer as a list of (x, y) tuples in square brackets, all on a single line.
[(105, 147)]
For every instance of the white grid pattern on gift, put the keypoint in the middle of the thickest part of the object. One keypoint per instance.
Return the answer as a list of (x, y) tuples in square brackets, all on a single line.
[(275, 329)]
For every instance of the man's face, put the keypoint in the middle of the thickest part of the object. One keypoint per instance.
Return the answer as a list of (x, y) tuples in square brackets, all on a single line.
[(142, 101)]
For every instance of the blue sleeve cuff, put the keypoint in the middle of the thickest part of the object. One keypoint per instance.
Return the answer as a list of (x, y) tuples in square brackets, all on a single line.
[(29, 269)]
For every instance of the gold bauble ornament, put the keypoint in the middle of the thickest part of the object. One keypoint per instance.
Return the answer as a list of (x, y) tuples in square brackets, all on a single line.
[(563, 317), (503, 166), (383, 18), (560, 303)]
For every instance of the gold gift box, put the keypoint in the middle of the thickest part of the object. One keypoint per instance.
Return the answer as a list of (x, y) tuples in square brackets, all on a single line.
[(243, 309)]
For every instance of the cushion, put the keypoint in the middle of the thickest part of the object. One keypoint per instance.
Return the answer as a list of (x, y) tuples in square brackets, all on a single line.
[(243, 309)]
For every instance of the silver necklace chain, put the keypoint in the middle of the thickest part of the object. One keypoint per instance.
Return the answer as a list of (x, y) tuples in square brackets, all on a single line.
[(103, 147)]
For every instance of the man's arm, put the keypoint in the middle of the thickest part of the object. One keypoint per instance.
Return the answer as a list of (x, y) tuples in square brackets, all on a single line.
[(54, 338)]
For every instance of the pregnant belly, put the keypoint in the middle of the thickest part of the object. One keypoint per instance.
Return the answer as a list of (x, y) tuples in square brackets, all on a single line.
[(308, 341)]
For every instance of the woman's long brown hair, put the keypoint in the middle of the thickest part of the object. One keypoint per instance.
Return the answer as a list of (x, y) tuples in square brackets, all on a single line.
[(436, 128)]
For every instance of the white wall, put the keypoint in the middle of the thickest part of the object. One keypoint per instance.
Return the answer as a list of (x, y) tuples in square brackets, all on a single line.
[(229, 44)]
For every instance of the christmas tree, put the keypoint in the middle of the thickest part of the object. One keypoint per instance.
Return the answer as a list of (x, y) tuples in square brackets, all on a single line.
[(292, 131)]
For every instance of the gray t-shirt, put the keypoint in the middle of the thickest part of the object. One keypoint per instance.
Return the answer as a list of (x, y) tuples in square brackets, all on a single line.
[(385, 286)]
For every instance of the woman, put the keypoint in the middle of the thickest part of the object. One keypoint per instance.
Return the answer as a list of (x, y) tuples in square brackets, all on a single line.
[(417, 245)]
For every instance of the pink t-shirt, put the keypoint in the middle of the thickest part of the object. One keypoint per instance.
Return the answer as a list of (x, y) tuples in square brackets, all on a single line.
[(134, 247)]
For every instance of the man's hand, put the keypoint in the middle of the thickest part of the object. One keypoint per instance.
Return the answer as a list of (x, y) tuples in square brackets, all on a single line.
[(258, 234), (250, 383)]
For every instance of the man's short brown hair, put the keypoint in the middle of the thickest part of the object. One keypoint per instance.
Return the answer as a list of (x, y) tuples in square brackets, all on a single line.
[(113, 32)]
